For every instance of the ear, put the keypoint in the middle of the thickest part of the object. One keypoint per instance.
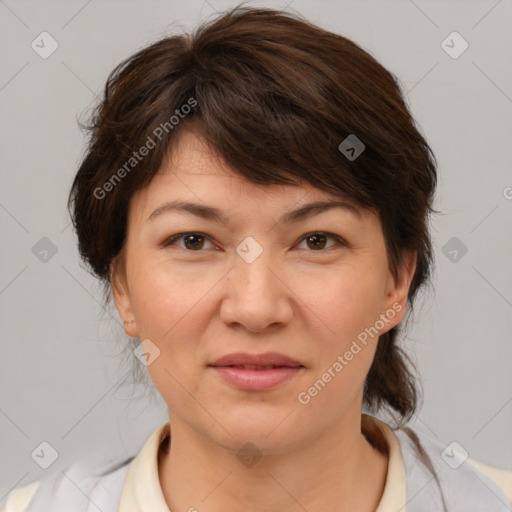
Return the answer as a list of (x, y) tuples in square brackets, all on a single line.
[(121, 296), (395, 302)]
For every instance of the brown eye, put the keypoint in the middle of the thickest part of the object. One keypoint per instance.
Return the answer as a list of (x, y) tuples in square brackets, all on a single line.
[(317, 241), (191, 241)]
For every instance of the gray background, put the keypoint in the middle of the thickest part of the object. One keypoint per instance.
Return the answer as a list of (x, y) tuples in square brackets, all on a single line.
[(61, 365)]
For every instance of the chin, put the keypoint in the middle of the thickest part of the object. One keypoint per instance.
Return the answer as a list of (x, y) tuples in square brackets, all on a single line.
[(269, 430)]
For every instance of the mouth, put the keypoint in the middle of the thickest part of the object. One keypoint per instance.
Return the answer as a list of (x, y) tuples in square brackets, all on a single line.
[(250, 377), (258, 367)]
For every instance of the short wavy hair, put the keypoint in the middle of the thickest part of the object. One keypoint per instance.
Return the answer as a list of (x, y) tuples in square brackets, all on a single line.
[(274, 96)]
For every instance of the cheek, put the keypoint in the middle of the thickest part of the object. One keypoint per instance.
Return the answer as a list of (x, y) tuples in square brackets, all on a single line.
[(173, 310), (346, 303), (165, 298), (348, 306)]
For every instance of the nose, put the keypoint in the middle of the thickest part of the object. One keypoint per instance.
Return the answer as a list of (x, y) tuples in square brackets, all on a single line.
[(257, 296)]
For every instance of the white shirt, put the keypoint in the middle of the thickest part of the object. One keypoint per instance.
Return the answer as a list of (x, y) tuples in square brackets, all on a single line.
[(134, 486)]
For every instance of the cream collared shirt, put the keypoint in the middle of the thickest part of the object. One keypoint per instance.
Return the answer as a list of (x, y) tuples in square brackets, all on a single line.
[(141, 490)]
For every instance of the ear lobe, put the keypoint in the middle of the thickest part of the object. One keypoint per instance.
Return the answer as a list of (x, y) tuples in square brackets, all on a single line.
[(121, 296)]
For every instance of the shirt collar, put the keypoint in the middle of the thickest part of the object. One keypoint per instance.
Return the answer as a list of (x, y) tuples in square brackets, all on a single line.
[(142, 491)]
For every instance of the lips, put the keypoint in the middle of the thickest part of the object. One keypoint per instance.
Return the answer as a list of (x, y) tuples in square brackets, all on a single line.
[(265, 361), (254, 366), (256, 372), (256, 380)]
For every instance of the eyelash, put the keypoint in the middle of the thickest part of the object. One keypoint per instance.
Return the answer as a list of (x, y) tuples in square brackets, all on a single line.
[(170, 241)]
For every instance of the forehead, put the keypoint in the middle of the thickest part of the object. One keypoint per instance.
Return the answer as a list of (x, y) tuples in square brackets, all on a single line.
[(192, 163), (193, 172)]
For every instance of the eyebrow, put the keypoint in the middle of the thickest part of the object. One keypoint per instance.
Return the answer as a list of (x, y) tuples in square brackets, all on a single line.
[(215, 214)]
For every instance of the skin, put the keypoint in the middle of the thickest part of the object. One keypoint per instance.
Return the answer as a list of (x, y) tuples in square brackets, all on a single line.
[(309, 303)]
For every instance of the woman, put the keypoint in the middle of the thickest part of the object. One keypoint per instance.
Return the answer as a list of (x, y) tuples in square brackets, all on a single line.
[(255, 198)]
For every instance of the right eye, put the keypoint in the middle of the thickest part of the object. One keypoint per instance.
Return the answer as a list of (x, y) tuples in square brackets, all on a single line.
[(192, 241)]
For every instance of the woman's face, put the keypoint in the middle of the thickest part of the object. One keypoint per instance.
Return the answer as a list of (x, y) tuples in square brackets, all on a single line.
[(315, 288)]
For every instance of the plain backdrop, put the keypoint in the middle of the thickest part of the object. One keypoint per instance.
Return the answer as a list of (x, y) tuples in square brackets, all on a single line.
[(61, 357)]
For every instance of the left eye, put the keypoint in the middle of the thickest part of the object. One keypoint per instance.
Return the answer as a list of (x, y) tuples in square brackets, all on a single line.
[(317, 240), (195, 241)]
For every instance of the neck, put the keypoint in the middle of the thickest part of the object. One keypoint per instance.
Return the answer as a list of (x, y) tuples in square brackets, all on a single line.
[(340, 470)]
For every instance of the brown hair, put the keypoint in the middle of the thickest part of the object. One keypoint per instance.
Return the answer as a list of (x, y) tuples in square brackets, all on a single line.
[(274, 96)]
